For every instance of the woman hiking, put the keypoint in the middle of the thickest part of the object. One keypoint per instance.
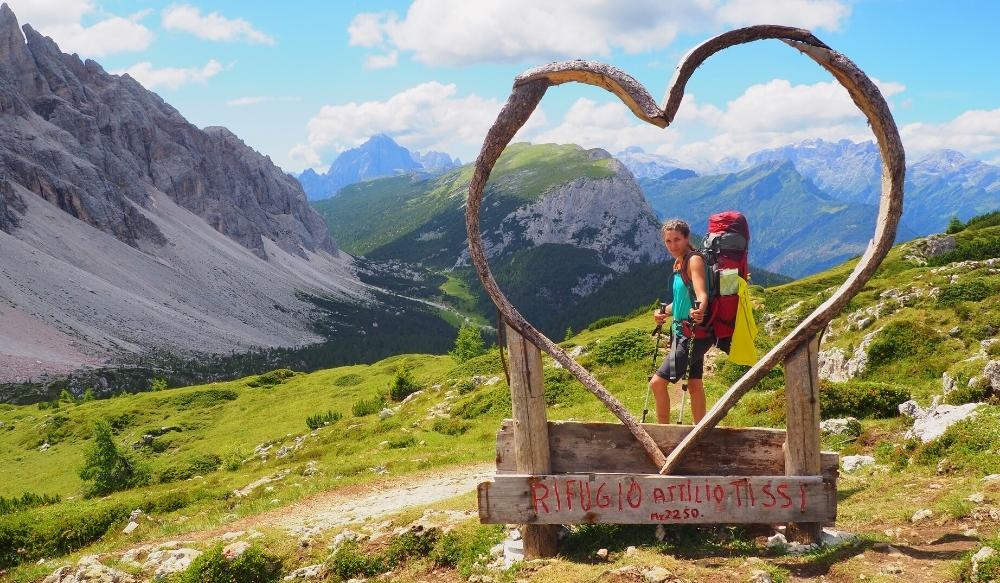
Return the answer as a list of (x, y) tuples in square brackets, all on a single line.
[(685, 350)]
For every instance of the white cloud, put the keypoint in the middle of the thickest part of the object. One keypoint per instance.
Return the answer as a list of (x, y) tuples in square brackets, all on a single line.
[(171, 77), (811, 14), (257, 99), (429, 116), (62, 20), (610, 126), (973, 132), (43, 13), (766, 115), (213, 26), (365, 29), (382, 61), (456, 32)]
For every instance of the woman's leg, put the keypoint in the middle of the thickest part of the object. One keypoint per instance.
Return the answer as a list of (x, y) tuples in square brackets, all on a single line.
[(697, 389), (696, 384), (658, 385)]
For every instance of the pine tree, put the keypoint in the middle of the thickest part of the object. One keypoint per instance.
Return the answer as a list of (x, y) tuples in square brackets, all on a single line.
[(108, 468), (468, 343), (954, 226)]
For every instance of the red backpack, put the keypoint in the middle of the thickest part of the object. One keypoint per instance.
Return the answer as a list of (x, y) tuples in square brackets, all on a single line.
[(726, 246)]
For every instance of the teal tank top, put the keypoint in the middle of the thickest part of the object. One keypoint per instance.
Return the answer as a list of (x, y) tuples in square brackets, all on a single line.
[(682, 303)]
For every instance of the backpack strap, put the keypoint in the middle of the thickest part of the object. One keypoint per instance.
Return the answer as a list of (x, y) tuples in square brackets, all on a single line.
[(686, 276), (706, 325)]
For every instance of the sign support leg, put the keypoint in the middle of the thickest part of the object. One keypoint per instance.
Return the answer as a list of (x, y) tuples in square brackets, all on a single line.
[(531, 432), (802, 418)]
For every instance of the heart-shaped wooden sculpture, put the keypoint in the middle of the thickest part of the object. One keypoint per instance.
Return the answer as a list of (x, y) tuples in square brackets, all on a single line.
[(530, 86)]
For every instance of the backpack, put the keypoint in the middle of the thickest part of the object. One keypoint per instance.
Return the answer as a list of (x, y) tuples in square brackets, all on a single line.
[(725, 251)]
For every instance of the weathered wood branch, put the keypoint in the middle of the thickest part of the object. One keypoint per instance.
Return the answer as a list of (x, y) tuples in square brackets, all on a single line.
[(528, 91), (870, 101), (522, 101)]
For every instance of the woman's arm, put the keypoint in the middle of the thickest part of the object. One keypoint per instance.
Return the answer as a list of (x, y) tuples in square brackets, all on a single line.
[(696, 271)]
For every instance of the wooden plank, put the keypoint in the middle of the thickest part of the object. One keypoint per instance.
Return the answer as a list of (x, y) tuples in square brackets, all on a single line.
[(802, 446), (531, 443), (652, 498), (610, 448)]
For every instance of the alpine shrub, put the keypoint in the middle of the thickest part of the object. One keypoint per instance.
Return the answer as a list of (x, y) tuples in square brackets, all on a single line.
[(197, 465), (605, 322), (272, 378), (254, 565), (320, 419), (26, 500), (902, 341), (402, 442), (974, 290), (203, 398), (625, 346), (562, 388), (348, 380), (860, 399), (368, 406), (451, 426), (403, 384), (349, 561)]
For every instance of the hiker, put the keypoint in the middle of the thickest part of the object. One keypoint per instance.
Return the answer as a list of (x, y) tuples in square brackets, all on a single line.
[(676, 236)]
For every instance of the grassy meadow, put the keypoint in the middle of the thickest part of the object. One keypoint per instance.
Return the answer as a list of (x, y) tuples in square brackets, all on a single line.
[(201, 443)]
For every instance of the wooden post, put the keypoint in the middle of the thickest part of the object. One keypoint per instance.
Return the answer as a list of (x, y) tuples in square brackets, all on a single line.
[(531, 432), (802, 418)]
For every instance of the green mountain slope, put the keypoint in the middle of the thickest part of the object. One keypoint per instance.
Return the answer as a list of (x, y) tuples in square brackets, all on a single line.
[(559, 223), (570, 236)]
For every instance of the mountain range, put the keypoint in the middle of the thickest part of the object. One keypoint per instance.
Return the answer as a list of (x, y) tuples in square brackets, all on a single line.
[(125, 231), (939, 186), (378, 157), (796, 228), (568, 231)]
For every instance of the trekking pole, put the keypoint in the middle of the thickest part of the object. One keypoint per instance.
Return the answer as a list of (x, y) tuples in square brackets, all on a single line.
[(687, 373), (656, 353)]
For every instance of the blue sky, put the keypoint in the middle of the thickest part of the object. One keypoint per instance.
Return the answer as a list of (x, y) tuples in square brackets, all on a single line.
[(301, 81)]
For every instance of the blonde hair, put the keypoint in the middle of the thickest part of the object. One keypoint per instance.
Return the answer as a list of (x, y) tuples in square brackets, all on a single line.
[(677, 225)]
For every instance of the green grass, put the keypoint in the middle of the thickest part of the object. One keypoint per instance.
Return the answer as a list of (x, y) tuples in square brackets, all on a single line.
[(210, 431)]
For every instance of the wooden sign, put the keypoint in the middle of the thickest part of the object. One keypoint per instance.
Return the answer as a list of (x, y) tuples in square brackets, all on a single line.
[(609, 448), (652, 498)]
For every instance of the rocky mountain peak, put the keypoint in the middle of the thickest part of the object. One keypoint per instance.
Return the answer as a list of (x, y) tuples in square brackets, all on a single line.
[(98, 145)]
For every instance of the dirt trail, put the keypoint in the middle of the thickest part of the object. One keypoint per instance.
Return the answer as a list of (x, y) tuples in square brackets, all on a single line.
[(359, 503)]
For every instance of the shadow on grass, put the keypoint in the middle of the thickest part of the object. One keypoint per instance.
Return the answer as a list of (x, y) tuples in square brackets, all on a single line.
[(818, 563), (848, 492), (682, 541)]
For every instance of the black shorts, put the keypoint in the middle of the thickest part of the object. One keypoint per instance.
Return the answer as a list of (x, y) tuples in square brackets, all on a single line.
[(675, 364)]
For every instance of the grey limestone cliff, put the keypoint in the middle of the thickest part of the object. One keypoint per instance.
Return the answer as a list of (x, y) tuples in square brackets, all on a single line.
[(95, 144)]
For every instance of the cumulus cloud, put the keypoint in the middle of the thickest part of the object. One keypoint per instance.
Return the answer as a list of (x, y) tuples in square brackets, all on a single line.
[(972, 132), (213, 26), (765, 115), (382, 61), (43, 13), (171, 77), (429, 116), (62, 20), (455, 32), (811, 14)]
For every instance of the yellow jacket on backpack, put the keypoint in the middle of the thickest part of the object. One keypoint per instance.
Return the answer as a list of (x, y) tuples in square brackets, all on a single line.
[(743, 350)]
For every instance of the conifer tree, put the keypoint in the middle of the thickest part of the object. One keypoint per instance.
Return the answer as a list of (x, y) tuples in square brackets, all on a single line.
[(107, 468)]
